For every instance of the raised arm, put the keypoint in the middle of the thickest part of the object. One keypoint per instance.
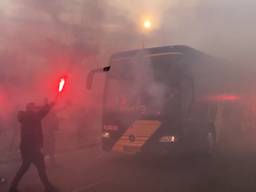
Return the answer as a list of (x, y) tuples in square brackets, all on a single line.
[(45, 110)]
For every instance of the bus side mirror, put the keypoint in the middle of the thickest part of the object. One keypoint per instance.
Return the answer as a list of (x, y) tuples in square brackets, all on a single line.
[(91, 74), (106, 69)]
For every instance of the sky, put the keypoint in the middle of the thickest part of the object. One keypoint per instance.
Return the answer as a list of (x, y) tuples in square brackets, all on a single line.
[(215, 26)]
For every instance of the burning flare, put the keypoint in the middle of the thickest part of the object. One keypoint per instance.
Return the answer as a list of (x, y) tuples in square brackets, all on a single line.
[(61, 84)]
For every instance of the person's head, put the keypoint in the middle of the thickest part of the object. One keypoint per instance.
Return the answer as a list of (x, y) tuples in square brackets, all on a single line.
[(31, 107)]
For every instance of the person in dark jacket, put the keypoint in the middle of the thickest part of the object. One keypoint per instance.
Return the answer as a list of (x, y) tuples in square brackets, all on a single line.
[(51, 126), (32, 143)]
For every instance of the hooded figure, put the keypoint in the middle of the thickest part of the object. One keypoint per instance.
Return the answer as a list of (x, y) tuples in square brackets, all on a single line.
[(32, 143)]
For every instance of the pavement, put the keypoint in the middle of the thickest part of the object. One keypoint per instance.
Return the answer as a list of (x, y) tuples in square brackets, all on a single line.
[(92, 170)]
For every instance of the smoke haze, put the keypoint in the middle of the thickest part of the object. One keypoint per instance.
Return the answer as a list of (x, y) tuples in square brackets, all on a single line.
[(223, 28), (36, 31), (42, 39)]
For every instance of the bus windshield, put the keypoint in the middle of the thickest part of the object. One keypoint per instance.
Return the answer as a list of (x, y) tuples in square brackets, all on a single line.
[(144, 84)]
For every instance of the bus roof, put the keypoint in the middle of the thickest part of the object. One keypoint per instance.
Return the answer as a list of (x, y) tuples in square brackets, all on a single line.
[(164, 49)]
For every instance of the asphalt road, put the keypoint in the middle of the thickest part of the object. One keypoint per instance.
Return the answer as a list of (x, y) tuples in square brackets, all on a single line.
[(91, 170)]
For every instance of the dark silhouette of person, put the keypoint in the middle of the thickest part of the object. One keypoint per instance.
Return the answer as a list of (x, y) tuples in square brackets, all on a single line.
[(32, 143), (51, 125)]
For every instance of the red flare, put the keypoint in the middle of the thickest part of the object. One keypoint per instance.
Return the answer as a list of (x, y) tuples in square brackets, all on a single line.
[(61, 84)]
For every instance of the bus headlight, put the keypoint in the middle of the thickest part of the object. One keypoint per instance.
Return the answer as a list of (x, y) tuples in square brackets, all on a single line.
[(168, 139), (106, 135)]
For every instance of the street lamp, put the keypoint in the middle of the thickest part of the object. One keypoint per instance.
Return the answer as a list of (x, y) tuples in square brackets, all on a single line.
[(147, 24)]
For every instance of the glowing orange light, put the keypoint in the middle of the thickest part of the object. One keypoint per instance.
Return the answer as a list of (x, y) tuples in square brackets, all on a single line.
[(224, 97), (61, 84), (147, 24), (229, 97)]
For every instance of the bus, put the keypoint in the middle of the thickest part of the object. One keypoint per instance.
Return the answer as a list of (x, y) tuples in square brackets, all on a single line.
[(162, 100)]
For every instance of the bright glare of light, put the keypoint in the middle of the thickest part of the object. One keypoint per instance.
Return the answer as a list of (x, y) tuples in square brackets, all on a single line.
[(61, 84), (106, 135), (147, 24)]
